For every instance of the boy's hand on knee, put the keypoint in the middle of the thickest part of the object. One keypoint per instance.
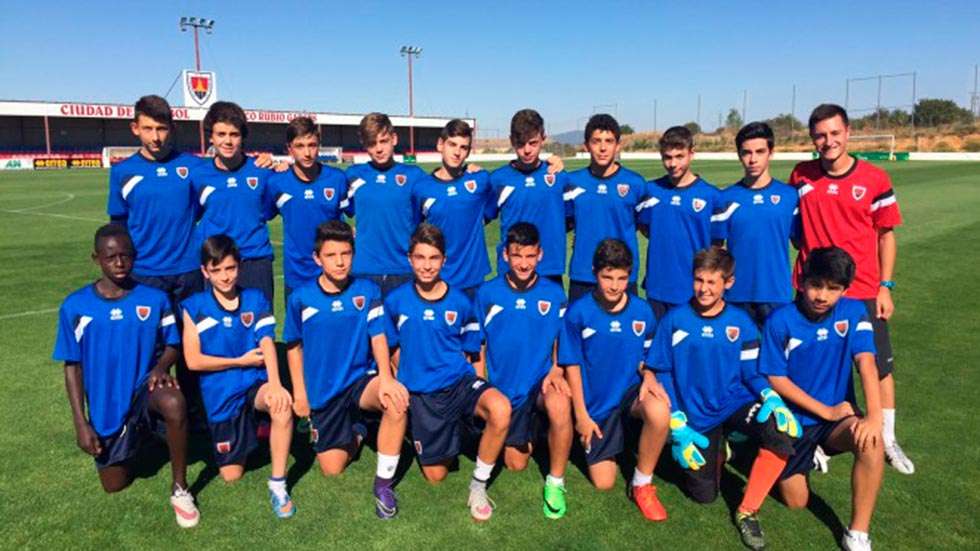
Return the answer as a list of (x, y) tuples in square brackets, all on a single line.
[(867, 433), (393, 395), (278, 400), (686, 442), (87, 440), (160, 378)]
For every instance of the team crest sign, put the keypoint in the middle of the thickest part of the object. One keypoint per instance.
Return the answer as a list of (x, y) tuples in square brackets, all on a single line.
[(199, 88)]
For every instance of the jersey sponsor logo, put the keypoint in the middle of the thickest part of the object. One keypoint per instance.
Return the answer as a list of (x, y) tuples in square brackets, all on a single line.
[(115, 314), (639, 326), (161, 172), (470, 186), (708, 332), (182, 172), (757, 199), (544, 306), (732, 333), (601, 189), (774, 199), (520, 304), (622, 189), (231, 182), (143, 312), (698, 204), (615, 326), (822, 334), (857, 192), (400, 179), (840, 327), (450, 317), (247, 318), (223, 447), (328, 193), (226, 321), (359, 302), (252, 181), (549, 179), (336, 306)]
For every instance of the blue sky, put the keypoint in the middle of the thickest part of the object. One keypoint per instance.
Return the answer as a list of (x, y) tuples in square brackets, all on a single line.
[(488, 59)]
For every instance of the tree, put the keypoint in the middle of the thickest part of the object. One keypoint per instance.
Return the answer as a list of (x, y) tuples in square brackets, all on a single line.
[(934, 112), (734, 120), (694, 127), (626, 130), (784, 124)]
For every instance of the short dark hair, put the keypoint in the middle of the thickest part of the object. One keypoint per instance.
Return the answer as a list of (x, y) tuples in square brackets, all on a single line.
[(333, 230), (524, 234), (677, 137), (218, 247), (715, 259), (612, 253), (427, 234), (456, 128), (829, 264), (372, 126), (602, 122), (826, 111), (110, 230), (525, 125), (155, 107), (299, 127), (228, 113), (752, 131)]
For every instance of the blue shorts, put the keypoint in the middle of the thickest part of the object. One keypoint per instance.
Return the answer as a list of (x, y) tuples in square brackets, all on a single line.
[(525, 420), (237, 437), (177, 286), (801, 462), (438, 417), (614, 429), (138, 426), (333, 425), (256, 273)]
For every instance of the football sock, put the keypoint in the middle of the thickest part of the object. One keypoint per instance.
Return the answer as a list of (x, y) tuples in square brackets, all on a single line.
[(555, 480), (277, 485), (888, 426), (640, 479), (857, 534), (765, 472), (387, 464), (481, 474)]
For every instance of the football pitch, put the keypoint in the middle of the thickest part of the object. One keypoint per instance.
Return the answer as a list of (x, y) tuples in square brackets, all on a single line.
[(50, 496)]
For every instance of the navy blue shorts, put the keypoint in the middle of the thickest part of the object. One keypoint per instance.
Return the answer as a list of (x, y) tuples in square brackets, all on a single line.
[(578, 289), (525, 420), (438, 417), (256, 273), (759, 311), (389, 282), (137, 427), (177, 286), (614, 429), (813, 435), (333, 425), (237, 437)]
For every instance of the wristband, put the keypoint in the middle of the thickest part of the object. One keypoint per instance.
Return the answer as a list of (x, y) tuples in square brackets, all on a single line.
[(888, 284)]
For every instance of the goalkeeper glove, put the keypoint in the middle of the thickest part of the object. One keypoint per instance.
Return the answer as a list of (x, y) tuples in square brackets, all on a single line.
[(772, 404), (686, 442)]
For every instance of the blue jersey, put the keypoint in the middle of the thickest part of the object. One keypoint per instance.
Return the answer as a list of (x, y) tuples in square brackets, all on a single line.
[(229, 334), (682, 222), (382, 201), (535, 197), (457, 208), (117, 342), (709, 366), (335, 330), (159, 206), (433, 337), (757, 225), (234, 203), (520, 329), (818, 356), (603, 208), (608, 347), (304, 206)]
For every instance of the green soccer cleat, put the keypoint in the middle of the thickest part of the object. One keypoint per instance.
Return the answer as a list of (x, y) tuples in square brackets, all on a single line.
[(750, 530), (554, 501)]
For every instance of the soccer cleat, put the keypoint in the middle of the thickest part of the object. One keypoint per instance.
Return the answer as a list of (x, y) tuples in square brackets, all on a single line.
[(184, 508), (897, 459), (480, 504), (385, 502), (283, 508), (646, 499), (554, 501), (855, 542), (821, 461), (750, 530)]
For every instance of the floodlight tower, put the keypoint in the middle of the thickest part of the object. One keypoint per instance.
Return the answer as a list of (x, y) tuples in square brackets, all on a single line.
[(410, 52), (197, 23)]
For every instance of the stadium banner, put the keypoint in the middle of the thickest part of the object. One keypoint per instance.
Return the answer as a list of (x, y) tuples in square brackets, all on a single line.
[(200, 88), (17, 164), (56, 162)]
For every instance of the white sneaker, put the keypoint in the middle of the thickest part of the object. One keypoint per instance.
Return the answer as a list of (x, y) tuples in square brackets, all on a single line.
[(480, 504), (897, 458), (184, 508), (858, 542), (821, 461)]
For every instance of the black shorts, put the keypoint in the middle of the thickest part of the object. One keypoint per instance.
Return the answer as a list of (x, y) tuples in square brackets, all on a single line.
[(883, 342), (806, 445), (177, 286), (578, 289), (614, 429), (237, 437), (137, 427), (389, 282), (524, 420), (703, 484), (438, 417), (333, 425), (256, 273), (659, 307), (759, 311)]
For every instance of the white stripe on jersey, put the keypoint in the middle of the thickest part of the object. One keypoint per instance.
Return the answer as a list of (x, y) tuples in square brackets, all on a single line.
[(205, 194), (587, 332), (571, 195), (804, 189), (750, 354), (344, 204), (271, 320), (677, 337), (649, 203), (791, 345), (864, 326), (354, 186), (129, 185), (561, 312), (427, 205), (647, 343), (205, 324), (167, 320), (726, 214), (887, 201), (308, 313), (376, 312), (494, 310), (80, 328), (504, 194), (282, 200), (472, 326), (401, 320), (796, 211)]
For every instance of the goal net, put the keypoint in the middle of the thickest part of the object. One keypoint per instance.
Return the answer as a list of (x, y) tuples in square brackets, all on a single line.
[(117, 153)]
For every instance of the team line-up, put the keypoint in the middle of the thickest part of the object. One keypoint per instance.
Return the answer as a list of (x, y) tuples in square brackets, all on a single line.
[(392, 322)]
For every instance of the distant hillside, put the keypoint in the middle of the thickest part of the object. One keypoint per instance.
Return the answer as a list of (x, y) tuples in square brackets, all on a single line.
[(572, 137)]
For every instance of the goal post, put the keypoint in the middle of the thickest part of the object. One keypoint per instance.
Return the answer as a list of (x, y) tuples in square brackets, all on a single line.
[(876, 148), (117, 153)]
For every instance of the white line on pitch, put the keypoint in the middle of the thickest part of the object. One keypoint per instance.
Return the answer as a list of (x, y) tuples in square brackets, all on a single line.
[(53, 215), (28, 313), (58, 202)]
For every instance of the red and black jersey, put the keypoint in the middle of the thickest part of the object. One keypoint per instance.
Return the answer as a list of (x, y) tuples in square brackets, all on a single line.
[(846, 211)]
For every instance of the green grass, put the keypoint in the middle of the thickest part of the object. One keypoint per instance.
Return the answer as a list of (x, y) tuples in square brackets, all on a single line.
[(51, 497)]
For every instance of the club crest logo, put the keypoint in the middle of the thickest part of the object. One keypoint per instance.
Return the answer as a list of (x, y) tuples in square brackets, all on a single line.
[(418, 447), (698, 204), (358, 302), (732, 333), (328, 193), (470, 186), (450, 317), (182, 172), (857, 192), (544, 306), (223, 447), (143, 312), (200, 85), (252, 181), (840, 327), (247, 318), (622, 189), (639, 326), (549, 179), (400, 179), (314, 435), (774, 199)]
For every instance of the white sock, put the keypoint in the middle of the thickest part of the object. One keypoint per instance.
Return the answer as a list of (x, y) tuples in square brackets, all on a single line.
[(857, 534), (888, 426), (640, 479), (481, 474), (387, 464), (278, 486), (555, 480)]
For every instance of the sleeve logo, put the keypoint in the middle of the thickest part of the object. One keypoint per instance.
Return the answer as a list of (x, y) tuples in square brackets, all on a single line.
[(840, 327), (622, 189), (328, 193), (544, 306), (450, 317), (252, 181), (732, 332), (182, 172), (143, 312), (358, 302), (549, 179), (639, 326), (698, 204), (857, 192), (400, 179), (247, 318)]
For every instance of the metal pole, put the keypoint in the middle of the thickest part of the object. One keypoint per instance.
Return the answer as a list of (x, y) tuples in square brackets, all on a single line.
[(411, 110), (47, 135), (792, 113), (698, 120), (914, 101), (976, 98), (878, 107), (847, 94), (197, 51)]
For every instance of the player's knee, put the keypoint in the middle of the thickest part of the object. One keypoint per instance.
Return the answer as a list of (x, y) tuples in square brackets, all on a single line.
[(559, 409), (172, 406), (703, 495), (434, 477), (331, 469), (395, 416), (656, 412), (115, 486), (604, 484), (796, 500), (281, 418), (499, 416), (231, 476), (515, 461)]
